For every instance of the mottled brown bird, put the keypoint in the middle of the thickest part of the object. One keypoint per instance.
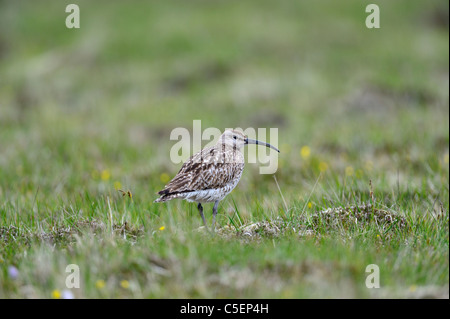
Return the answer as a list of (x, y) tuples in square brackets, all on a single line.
[(211, 174)]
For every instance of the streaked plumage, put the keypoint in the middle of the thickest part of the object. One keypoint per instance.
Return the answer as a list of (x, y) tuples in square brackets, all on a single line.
[(211, 174), (207, 176)]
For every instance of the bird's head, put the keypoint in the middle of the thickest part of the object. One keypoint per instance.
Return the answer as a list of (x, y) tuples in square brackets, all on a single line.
[(237, 139)]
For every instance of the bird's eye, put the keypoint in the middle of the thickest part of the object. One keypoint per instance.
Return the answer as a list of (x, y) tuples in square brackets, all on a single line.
[(234, 136)]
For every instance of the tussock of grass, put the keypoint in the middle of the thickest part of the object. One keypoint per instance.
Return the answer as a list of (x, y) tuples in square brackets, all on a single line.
[(362, 217), (68, 234)]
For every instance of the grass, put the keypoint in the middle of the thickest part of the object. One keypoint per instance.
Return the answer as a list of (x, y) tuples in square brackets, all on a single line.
[(363, 173)]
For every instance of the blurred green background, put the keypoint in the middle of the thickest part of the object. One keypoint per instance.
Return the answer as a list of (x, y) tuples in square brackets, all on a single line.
[(90, 110), (109, 94)]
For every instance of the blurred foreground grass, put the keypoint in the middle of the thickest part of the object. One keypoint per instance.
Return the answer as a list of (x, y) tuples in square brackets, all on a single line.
[(86, 112)]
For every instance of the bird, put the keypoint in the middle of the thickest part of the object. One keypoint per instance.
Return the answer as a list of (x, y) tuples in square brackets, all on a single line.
[(211, 174)]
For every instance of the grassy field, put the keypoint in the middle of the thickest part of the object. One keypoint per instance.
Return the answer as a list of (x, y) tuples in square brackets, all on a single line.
[(363, 129)]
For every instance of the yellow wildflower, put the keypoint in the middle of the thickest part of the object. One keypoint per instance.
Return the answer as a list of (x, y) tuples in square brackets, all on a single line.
[(368, 166), (164, 177), (162, 228), (359, 173), (100, 284), (105, 175), (305, 151), (125, 284), (309, 205), (349, 171), (56, 294), (117, 185), (323, 166)]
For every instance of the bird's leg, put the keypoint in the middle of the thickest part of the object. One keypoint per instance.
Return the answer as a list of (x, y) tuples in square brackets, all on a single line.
[(216, 204), (200, 209)]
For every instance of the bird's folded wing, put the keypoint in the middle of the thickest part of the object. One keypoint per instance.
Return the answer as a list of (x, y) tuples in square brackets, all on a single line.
[(208, 169)]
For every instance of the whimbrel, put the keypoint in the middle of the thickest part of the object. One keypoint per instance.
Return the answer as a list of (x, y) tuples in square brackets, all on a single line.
[(211, 174)]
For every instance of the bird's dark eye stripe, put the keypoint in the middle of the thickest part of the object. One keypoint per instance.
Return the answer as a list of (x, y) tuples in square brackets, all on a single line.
[(234, 136)]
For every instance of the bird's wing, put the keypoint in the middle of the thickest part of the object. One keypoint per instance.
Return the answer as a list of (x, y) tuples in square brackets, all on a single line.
[(208, 169)]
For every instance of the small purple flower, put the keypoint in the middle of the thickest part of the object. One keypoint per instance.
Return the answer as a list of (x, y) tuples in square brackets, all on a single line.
[(13, 272), (67, 294)]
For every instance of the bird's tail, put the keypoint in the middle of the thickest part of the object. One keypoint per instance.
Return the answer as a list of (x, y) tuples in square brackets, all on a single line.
[(167, 197), (160, 200)]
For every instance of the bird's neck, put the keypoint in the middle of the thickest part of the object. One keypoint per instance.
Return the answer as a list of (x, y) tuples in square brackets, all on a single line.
[(228, 147)]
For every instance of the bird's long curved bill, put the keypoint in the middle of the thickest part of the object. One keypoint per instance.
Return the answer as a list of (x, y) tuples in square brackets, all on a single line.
[(252, 141)]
